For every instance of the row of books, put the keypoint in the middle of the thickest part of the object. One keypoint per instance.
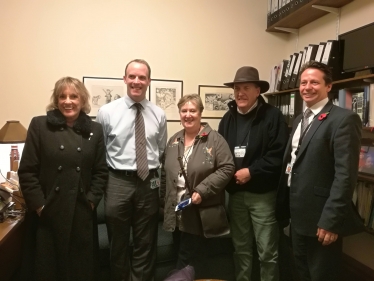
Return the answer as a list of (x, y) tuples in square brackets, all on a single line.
[(278, 9), (358, 100), (290, 104), (363, 199), (285, 75)]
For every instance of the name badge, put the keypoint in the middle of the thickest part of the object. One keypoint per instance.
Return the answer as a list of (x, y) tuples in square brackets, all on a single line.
[(155, 183), (289, 168), (239, 151)]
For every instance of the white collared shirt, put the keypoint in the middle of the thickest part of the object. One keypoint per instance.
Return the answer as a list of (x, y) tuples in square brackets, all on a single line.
[(316, 108), (118, 121), (249, 110)]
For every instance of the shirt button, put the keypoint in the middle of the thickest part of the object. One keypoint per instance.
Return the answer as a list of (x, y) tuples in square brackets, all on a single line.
[(59, 168), (62, 147), (78, 169), (62, 128), (57, 189), (79, 149)]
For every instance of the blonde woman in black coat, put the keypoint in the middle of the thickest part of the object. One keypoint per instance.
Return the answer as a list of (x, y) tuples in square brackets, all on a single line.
[(62, 175)]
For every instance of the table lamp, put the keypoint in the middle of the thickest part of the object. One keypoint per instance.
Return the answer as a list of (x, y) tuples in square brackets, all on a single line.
[(13, 132)]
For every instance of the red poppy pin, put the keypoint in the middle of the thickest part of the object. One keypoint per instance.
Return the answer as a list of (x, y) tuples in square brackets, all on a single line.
[(202, 136), (323, 116)]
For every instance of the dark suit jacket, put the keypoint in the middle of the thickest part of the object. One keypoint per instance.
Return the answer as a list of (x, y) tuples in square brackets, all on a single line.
[(324, 175)]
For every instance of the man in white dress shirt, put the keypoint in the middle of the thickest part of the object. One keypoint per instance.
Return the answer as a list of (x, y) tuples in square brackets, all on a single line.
[(132, 200)]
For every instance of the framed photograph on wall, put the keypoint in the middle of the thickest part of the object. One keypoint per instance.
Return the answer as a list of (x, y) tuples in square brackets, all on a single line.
[(166, 94), (103, 90), (215, 100)]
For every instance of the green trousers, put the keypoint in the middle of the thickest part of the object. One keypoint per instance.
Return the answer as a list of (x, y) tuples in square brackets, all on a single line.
[(252, 217)]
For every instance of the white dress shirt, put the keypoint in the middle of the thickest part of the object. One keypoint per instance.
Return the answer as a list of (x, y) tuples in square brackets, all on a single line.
[(118, 121), (296, 137)]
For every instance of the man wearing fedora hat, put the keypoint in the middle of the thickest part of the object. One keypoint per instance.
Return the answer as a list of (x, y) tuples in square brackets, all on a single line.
[(257, 135)]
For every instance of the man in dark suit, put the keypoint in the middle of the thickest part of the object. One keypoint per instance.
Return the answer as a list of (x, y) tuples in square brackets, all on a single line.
[(321, 165)]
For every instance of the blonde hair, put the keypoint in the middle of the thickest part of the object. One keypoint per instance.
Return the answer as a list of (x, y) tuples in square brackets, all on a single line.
[(192, 98), (64, 83)]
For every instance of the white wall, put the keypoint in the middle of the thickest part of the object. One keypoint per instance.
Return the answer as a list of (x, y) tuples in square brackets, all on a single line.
[(199, 42)]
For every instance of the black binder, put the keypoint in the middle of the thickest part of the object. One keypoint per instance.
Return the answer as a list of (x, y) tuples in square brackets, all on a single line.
[(286, 79), (311, 53), (301, 65), (321, 49), (295, 72), (281, 74), (293, 59), (331, 57)]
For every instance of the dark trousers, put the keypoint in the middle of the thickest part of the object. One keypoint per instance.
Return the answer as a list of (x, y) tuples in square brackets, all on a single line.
[(316, 262), (190, 248), (131, 203)]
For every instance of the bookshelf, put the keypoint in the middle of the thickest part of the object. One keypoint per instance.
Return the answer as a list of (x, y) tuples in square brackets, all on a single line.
[(336, 85), (306, 14)]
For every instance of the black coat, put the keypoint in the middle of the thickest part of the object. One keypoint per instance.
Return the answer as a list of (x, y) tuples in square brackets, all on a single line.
[(63, 169), (268, 136)]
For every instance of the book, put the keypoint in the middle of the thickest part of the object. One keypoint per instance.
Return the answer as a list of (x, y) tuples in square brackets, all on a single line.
[(345, 99), (371, 104), (358, 104)]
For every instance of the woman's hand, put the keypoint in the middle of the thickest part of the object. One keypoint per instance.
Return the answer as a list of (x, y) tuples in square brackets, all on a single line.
[(196, 198)]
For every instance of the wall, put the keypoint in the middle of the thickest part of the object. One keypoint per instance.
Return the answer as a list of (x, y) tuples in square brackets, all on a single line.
[(199, 42)]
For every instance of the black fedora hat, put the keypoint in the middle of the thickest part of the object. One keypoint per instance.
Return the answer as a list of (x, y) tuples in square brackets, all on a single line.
[(248, 74)]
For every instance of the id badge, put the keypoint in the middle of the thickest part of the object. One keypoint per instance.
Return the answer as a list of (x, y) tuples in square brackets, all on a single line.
[(239, 151), (289, 168), (155, 183)]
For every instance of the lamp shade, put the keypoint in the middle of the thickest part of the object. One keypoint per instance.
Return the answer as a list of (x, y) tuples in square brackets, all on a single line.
[(13, 132)]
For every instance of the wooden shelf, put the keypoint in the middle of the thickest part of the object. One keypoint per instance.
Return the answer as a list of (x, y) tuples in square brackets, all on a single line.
[(306, 14), (365, 178), (282, 92), (353, 82), (336, 85)]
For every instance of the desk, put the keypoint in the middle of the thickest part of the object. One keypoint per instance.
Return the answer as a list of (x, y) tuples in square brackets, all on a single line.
[(11, 234)]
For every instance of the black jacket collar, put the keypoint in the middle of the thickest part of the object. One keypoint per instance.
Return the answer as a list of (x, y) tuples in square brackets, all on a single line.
[(57, 119)]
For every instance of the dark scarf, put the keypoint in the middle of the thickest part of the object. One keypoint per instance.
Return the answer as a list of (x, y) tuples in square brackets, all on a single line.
[(82, 124)]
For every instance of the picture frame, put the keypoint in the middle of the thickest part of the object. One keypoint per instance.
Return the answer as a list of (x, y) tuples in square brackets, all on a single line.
[(166, 94), (103, 90), (366, 161), (215, 100)]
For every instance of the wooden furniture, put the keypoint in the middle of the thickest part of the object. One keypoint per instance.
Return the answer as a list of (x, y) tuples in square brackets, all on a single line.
[(306, 14), (336, 85), (11, 234)]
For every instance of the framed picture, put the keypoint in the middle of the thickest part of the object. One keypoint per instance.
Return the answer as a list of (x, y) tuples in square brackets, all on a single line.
[(366, 162), (215, 100), (103, 91), (166, 94)]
